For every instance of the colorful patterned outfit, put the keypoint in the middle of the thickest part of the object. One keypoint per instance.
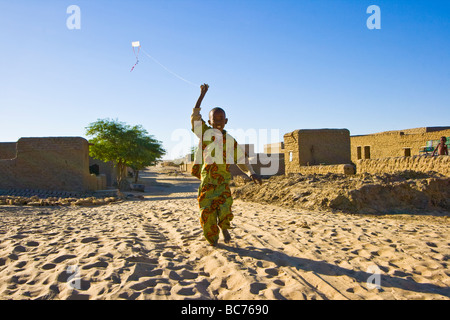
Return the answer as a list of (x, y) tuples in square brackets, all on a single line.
[(216, 152)]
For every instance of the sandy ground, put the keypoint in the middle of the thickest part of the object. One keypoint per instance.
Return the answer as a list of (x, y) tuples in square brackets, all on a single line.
[(154, 249)]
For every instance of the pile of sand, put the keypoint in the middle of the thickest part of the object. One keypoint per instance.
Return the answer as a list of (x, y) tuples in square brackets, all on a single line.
[(406, 192)]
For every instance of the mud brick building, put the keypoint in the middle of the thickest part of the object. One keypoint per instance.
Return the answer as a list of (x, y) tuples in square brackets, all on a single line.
[(400, 143), (305, 150), (49, 163)]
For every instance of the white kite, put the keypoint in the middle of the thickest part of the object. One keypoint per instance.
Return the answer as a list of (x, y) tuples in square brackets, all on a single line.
[(135, 45)]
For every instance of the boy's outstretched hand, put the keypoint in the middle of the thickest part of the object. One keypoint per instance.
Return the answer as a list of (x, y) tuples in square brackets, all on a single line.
[(256, 178), (204, 88)]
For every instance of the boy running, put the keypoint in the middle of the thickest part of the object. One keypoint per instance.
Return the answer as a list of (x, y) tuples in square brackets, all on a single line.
[(217, 151)]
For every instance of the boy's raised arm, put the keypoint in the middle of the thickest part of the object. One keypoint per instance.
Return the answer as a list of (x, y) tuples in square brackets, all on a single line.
[(196, 116), (204, 89)]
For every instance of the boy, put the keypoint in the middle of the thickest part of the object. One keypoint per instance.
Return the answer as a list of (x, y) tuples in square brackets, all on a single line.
[(216, 151), (441, 147)]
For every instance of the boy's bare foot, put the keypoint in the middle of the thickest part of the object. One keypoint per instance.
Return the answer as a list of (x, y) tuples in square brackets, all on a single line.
[(226, 236)]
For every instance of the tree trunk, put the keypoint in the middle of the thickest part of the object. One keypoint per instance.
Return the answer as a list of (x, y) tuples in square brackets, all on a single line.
[(136, 175), (121, 177)]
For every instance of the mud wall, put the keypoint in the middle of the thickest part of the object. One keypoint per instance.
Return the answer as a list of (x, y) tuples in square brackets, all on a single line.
[(54, 163), (439, 164), (316, 147)]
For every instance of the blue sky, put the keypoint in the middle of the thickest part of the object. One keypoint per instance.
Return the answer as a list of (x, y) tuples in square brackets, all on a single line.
[(283, 65)]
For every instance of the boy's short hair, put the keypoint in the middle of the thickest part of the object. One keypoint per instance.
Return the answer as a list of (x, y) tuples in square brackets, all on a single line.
[(217, 109)]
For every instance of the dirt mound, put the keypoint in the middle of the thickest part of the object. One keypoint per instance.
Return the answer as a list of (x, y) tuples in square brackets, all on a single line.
[(405, 192)]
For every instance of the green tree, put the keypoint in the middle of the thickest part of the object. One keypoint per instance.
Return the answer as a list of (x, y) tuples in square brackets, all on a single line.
[(146, 153), (124, 145)]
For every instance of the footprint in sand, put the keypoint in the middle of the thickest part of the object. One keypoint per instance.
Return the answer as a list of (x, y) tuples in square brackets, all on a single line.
[(32, 244), (271, 272), (431, 244), (48, 266), (21, 264), (145, 260), (186, 274), (189, 291), (89, 239), (98, 264), (19, 236), (279, 282), (75, 295), (19, 248), (150, 283), (63, 258), (168, 254), (19, 279), (13, 256), (256, 287)]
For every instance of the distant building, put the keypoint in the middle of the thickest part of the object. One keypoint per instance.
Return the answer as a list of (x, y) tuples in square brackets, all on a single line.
[(314, 147), (311, 151), (399, 143)]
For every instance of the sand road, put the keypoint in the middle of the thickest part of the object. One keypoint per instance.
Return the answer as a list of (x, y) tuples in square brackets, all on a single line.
[(153, 248)]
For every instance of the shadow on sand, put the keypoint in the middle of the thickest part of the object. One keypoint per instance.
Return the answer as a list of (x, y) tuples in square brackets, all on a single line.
[(324, 268)]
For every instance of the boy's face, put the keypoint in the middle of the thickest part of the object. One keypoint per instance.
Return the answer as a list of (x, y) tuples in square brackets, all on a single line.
[(444, 140), (217, 119)]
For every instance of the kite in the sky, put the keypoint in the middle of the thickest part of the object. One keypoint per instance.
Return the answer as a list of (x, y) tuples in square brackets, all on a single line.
[(136, 48)]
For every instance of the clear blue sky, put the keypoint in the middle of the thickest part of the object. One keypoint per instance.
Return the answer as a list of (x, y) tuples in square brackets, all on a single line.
[(285, 64)]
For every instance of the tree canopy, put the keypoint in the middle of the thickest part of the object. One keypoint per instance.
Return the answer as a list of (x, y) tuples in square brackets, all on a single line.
[(124, 145)]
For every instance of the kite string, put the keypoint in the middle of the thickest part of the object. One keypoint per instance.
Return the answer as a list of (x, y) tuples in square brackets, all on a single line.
[(171, 72)]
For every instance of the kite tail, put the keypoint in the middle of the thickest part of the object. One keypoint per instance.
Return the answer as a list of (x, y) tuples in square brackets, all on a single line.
[(137, 61), (137, 57)]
